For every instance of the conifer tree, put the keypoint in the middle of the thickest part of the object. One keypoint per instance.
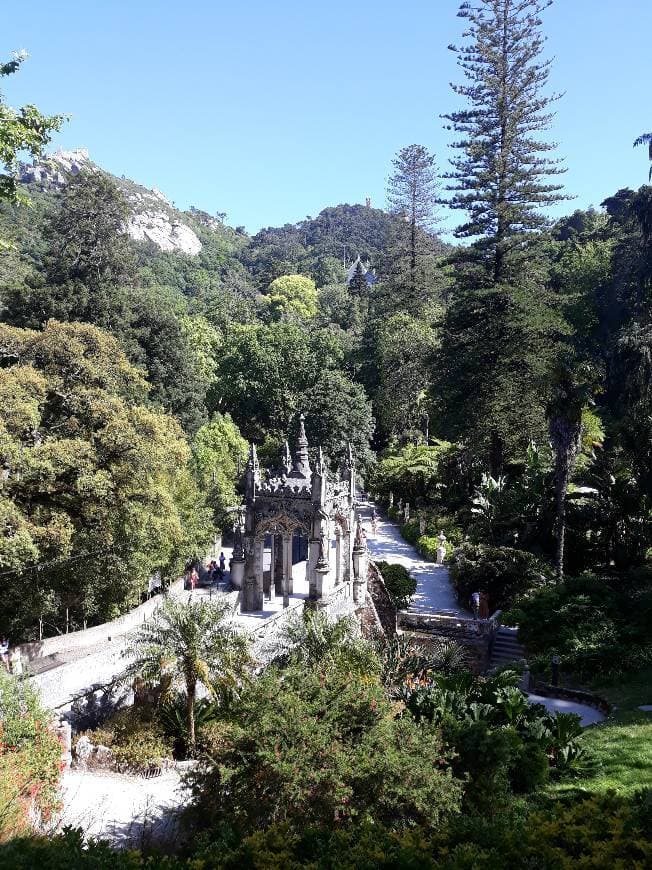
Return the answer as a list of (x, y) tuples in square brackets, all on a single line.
[(504, 173), (502, 326), (412, 194), (358, 283)]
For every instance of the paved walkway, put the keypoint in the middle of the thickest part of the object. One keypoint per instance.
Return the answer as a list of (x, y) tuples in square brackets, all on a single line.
[(128, 811), (434, 593), (588, 715)]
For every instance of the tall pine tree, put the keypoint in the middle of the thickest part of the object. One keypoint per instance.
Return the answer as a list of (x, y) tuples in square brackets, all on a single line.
[(502, 177), (412, 195), (500, 331)]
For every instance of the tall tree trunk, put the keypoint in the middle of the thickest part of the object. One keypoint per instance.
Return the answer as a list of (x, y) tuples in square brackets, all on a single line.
[(565, 434), (562, 474), (496, 457), (413, 261)]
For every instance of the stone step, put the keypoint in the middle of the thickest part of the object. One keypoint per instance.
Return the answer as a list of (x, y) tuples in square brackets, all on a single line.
[(501, 644), (506, 647)]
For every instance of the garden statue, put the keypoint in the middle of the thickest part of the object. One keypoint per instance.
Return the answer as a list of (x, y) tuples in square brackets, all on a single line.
[(441, 549)]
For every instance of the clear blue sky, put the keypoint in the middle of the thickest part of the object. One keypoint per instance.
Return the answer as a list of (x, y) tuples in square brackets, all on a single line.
[(271, 111)]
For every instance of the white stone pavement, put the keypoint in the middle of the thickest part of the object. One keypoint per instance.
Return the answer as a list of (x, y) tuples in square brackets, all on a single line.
[(128, 811), (588, 715), (434, 593)]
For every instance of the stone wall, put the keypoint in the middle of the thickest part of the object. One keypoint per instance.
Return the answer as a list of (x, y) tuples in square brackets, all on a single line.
[(89, 637), (382, 600), (475, 635)]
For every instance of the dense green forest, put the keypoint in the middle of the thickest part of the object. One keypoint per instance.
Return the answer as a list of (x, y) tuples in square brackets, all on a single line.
[(499, 384)]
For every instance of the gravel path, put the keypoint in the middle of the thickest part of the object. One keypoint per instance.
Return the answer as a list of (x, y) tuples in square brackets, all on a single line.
[(434, 593), (128, 811), (588, 715)]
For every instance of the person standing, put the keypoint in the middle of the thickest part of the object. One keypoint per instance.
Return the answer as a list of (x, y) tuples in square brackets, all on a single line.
[(4, 652), (222, 564), (475, 604)]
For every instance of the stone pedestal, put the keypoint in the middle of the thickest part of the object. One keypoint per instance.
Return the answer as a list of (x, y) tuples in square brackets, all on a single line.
[(237, 573), (321, 582), (360, 567)]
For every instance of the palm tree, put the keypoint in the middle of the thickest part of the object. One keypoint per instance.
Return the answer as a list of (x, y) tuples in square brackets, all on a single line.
[(185, 645), (645, 139)]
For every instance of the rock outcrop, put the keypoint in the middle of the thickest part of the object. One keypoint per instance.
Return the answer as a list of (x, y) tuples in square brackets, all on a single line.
[(154, 218), (160, 229)]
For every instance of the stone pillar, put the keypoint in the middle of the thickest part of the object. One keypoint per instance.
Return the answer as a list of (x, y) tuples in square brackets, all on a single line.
[(279, 571), (313, 556), (237, 572), (338, 555), (252, 593), (288, 585), (347, 563), (360, 566)]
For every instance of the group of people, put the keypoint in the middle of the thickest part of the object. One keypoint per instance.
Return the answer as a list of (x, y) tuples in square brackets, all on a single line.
[(215, 572), (480, 605), (216, 569), (11, 660)]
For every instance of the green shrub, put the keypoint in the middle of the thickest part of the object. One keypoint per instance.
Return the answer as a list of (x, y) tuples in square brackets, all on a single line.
[(323, 746), (599, 626), (503, 573), (135, 738), (399, 583), (591, 833), (410, 531), (71, 851), (30, 758)]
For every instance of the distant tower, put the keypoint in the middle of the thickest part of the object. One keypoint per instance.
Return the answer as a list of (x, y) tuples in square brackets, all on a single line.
[(367, 202)]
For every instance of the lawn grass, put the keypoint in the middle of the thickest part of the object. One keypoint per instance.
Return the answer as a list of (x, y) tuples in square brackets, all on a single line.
[(622, 744)]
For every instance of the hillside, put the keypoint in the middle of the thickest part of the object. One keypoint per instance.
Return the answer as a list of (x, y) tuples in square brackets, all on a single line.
[(200, 243)]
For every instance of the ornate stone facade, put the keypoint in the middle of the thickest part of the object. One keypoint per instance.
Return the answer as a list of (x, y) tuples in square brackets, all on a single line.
[(297, 499)]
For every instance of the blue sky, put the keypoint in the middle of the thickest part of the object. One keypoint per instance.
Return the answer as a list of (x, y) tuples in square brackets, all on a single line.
[(272, 111)]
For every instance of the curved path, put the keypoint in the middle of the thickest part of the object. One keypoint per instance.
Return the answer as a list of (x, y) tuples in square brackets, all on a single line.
[(588, 715), (435, 592)]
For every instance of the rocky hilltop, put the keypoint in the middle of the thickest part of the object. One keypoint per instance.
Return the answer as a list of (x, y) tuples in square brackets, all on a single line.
[(154, 219)]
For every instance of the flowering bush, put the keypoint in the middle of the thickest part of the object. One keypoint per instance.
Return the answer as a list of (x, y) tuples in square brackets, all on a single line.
[(30, 758)]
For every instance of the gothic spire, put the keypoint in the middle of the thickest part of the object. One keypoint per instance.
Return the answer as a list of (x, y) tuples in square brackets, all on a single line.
[(301, 466)]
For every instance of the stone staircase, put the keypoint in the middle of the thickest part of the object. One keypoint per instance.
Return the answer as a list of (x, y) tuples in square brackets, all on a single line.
[(506, 648)]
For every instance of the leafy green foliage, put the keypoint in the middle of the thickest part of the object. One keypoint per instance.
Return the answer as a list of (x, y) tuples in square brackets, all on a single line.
[(136, 739), (598, 625), (21, 130), (187, 644), (503, 573), (219, 454), (400, 584), (324, 750), (93, 479), (292, 295)]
